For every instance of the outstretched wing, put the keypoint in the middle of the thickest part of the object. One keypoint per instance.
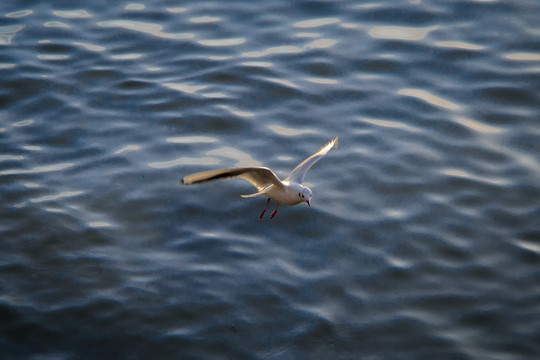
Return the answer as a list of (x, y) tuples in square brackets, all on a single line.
[(258, 176), (299, 172)]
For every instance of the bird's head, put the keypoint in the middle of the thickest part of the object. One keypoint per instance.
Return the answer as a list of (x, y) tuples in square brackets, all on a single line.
[(305, 195)]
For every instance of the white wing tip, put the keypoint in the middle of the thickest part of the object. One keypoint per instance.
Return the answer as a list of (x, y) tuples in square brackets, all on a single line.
[(332, 143)]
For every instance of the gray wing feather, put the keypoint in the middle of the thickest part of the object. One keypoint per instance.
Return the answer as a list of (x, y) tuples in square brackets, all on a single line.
[(299, 172), (258, 176)]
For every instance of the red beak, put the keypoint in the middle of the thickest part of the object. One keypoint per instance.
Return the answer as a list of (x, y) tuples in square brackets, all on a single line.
[(308, 203)]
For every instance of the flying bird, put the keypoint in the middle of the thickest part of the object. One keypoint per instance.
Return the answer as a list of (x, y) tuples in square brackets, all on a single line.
[(287, 192)]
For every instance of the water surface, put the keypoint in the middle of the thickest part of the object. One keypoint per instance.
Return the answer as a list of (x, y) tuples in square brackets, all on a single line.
[(423, 238)]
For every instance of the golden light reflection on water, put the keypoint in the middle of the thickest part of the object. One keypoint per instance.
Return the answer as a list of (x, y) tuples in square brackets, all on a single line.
[(177, 10), (184, 160), (215, 95), (288, 131), (11, 157), (99, 224), (312, 23), (529, 246), (7, 33), (428, 97), (285, 49), (384, 123), (51, 57), (127, 148), (37, 169), (191, 139), (55, 197), (219, 58), (23, 123), (284, 158), (72, 14), (241, 157), (237, 112), (368, 6), (477, 126), (222, 42), (283, 82), (456, 172), (242, 113), (149, 28), (459, 45), (134, 6), (319, 80), (321, 44), (289, 49), (90, 47), (204, 19), (400, 32), (523, 56), (57, 24), (392, 260), (190, 89), (395, 213), (19, 14), (131, 56), (475, 177), (258, 63), (307, 35)]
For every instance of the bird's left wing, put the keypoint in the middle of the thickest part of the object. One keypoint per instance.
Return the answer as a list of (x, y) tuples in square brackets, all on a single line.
[(299, 172), (258, 176)]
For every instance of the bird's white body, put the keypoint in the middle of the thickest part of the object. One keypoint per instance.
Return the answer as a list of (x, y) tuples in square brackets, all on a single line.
[(287, 196), (287, 192)]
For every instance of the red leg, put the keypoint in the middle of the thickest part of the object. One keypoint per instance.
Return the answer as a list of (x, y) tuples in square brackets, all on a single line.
[(264, 210), (275, 211)]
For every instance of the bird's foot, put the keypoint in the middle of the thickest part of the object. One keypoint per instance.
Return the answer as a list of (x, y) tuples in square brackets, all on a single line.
[(274, 212), (264, 210)]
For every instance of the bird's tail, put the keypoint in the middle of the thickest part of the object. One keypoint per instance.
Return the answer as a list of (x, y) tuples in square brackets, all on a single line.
[(253, 195)]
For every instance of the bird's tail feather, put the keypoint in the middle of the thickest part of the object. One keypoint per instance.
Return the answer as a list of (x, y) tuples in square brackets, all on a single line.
[(253, 195)]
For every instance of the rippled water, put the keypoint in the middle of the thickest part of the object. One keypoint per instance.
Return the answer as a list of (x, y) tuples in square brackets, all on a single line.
[(423, 239)]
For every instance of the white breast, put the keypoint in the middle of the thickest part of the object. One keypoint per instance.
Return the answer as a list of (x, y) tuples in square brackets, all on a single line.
[(287, 197)]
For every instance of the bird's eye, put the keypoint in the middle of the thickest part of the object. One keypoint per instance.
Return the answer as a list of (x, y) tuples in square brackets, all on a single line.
[(298, 194), (302, 196)]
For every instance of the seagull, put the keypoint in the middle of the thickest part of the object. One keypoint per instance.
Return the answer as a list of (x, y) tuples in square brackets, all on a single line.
[(287, 192)]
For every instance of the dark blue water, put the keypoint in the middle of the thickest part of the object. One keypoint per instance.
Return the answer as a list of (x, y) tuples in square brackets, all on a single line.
[(423, 238)]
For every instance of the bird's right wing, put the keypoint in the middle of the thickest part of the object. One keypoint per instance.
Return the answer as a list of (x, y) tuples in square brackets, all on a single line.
[(299, 172), (258, 176)]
